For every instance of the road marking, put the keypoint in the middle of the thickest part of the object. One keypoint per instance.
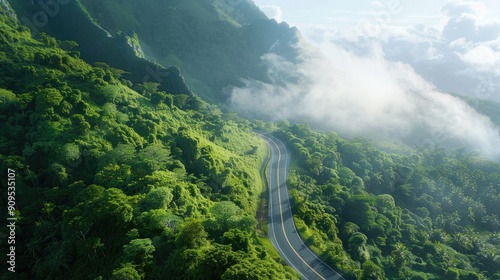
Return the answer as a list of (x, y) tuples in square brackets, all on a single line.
[(272, 225), (337, 275), (281, 213)]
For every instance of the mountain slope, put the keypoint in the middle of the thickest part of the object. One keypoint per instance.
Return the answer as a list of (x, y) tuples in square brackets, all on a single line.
[(215, 43), (111, 183), (486, 107)]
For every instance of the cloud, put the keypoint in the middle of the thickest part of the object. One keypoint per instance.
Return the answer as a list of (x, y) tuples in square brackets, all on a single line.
[(485, 57), (458, 8), (457, 56), (273, 11), (365, 96)]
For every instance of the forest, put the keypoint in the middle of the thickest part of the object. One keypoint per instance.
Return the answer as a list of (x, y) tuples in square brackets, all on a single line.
[(122, 181), (119, 179), (389, 212)]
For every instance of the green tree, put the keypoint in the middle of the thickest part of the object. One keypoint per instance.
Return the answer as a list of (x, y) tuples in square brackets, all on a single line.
[(158, 97), (8, 100), (372, 271), (126, 272), (114, 176), (139, 252), (155, 221), (47, 99), (238, 240), (253, 269), (217, 259), (225, 214), (148, 88), (452, 274), (400, 255), (110, 214), (357, 247), (191, 235), (158, 198)]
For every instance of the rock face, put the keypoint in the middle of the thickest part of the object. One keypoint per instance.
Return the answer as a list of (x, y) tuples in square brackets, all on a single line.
[(131, 44), (6, 9), (174, 82)]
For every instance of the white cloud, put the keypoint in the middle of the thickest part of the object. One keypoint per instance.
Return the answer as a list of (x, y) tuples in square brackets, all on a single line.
[(365, 96), (273, 11), (484, 57), (458, 8)]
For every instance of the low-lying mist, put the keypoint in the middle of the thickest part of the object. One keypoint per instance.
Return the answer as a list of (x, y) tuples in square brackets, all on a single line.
[(367, 96)]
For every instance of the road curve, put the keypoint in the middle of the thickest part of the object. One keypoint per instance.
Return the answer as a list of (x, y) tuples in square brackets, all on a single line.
[(282, 231)]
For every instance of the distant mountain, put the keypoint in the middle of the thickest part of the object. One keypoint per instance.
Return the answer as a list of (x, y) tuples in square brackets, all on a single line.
[(485, 107), (215, 43)]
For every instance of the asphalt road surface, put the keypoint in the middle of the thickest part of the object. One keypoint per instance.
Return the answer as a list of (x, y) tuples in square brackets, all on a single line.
[(282, 231)]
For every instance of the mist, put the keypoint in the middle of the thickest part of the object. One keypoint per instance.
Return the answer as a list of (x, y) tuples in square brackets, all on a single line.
[(365, 96)]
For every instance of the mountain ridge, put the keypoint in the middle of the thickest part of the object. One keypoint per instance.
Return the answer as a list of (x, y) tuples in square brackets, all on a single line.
[(214, 43)]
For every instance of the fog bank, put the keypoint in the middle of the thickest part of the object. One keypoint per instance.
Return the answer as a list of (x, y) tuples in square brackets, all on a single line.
[(365, 96)]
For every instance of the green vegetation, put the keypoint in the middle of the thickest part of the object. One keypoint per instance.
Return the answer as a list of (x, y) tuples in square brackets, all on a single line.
[(116, 182), (379, 215)]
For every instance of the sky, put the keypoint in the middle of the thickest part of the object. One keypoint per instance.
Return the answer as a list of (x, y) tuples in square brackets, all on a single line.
[(385, 69), (454, 44), (346, 15)]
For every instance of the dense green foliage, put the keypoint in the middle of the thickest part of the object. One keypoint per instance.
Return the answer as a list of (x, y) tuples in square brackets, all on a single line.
[(381, 215), (122, 183)]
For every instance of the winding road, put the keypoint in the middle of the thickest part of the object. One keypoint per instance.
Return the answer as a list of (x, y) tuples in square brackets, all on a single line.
[(282, 231)]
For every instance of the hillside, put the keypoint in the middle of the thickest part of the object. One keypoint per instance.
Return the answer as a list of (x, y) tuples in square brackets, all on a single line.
[(113, 183), (215, 43)]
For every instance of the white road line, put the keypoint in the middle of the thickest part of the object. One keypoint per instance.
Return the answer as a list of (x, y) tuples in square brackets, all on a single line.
[(281, 214)]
